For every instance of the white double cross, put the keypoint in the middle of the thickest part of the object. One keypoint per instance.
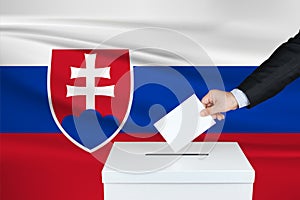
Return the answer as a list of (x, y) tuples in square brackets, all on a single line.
[(90, 73)]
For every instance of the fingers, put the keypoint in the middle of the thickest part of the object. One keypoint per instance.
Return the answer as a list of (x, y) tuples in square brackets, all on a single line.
[(210, 111), (218, 116), (214, 102), (206, 112), (207, 98), (209, 105)]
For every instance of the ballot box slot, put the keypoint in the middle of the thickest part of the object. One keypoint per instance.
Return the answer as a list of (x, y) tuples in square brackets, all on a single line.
[(176, 154)]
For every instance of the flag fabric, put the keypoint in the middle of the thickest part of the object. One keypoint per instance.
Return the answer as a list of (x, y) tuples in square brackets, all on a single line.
[(175, 49)]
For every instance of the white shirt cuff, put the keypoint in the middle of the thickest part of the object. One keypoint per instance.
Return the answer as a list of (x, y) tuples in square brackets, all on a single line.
[(240, 97)]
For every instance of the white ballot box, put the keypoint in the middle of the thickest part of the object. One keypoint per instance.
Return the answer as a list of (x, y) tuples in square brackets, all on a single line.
[(152, 171)]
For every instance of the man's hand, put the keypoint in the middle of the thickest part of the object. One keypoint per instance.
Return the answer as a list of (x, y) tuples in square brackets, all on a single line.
[(216, 102)]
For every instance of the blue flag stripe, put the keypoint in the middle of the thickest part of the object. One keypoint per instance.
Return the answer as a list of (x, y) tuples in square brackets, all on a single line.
[(24, 104)]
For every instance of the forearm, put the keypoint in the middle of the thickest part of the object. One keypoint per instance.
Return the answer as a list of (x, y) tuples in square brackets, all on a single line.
[(274, 74)]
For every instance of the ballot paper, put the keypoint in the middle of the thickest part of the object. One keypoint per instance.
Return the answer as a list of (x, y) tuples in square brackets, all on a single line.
[(184, 123)]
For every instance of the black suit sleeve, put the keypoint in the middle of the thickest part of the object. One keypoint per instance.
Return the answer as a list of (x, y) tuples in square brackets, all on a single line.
[(274, 74)]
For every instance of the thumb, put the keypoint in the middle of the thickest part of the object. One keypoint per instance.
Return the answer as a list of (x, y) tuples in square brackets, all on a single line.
[(208, 111)]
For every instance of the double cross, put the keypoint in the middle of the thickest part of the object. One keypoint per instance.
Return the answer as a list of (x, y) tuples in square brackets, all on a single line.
[(90, 91)]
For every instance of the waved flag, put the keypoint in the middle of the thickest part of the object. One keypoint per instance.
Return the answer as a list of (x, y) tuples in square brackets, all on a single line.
[(47, 48)]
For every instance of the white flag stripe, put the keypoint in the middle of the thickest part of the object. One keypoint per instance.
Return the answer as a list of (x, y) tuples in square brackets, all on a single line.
[(231, 32)]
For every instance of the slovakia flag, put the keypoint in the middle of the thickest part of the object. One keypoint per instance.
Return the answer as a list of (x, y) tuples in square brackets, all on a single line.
[(78, 78)]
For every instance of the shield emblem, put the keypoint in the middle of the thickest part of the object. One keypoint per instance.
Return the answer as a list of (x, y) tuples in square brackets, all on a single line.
[(90, 94)]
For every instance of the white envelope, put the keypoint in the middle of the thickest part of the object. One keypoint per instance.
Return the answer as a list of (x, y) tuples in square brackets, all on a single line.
[(184, 123)]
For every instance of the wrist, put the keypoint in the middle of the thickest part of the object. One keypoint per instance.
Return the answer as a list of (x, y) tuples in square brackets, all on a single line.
[(231, 101)]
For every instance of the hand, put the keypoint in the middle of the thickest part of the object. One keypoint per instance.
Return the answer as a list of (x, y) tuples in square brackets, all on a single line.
[(217, 101)]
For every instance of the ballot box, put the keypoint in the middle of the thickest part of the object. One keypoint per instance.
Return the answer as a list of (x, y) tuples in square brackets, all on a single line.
[(151, 171)]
